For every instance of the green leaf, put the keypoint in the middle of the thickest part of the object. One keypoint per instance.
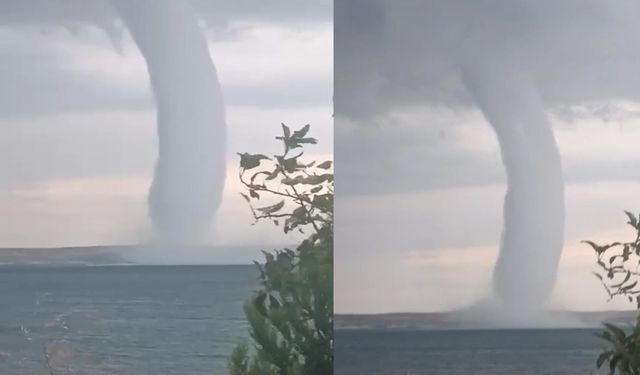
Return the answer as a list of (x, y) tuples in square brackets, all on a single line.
[(286, 131), (302, 132), (633, 221), (626, 252), (273, 302), (323, 202), (291, 164), (259, 300), (268, 210), (325, 165), (602, 358), (307, 180), (618, 332), (291, 180), (293, 143), (250, 161), (299, 141), (613, 362), (273, 174), (629, 287)]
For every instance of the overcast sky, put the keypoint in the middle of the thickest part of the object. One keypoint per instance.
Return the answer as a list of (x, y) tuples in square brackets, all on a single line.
[(420, 178), (77, 119)]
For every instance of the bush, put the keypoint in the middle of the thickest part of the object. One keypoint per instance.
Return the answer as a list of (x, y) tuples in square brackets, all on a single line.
[(291, 315), (619, 275), (623, 350)]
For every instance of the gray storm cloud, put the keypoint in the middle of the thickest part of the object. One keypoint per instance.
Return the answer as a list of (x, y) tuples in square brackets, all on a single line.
[(515, 61), (189, 176), (212, 12)]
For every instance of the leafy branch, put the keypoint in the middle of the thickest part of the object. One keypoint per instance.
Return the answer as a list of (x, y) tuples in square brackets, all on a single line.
[(307, 185), (619, 264)]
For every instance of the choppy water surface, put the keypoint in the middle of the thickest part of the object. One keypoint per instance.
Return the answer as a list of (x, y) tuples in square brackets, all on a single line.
[(122, 319), (472, 352)]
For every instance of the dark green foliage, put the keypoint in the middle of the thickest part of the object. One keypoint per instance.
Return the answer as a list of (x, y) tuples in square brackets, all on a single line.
[(291, 315), (623, 352), (619, 263)]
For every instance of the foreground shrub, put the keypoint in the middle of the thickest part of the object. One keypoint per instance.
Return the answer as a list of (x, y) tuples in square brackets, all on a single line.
[(291, 315), (619, 263)]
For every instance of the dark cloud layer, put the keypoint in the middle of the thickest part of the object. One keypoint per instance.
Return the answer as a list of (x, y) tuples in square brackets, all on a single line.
[(42, 81), (212, 11), (391, 56), (391, 53)]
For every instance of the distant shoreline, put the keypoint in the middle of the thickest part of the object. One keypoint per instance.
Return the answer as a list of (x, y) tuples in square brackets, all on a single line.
[(79, 255), (470, 320), (126, 255), (106, 265)]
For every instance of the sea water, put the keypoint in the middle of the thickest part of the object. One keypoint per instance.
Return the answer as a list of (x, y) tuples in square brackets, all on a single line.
[(122, 320), (170, 320), (467, 352)]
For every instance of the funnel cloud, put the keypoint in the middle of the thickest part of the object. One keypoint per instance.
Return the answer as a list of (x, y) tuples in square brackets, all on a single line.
[(532, 238), (189, 175)]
